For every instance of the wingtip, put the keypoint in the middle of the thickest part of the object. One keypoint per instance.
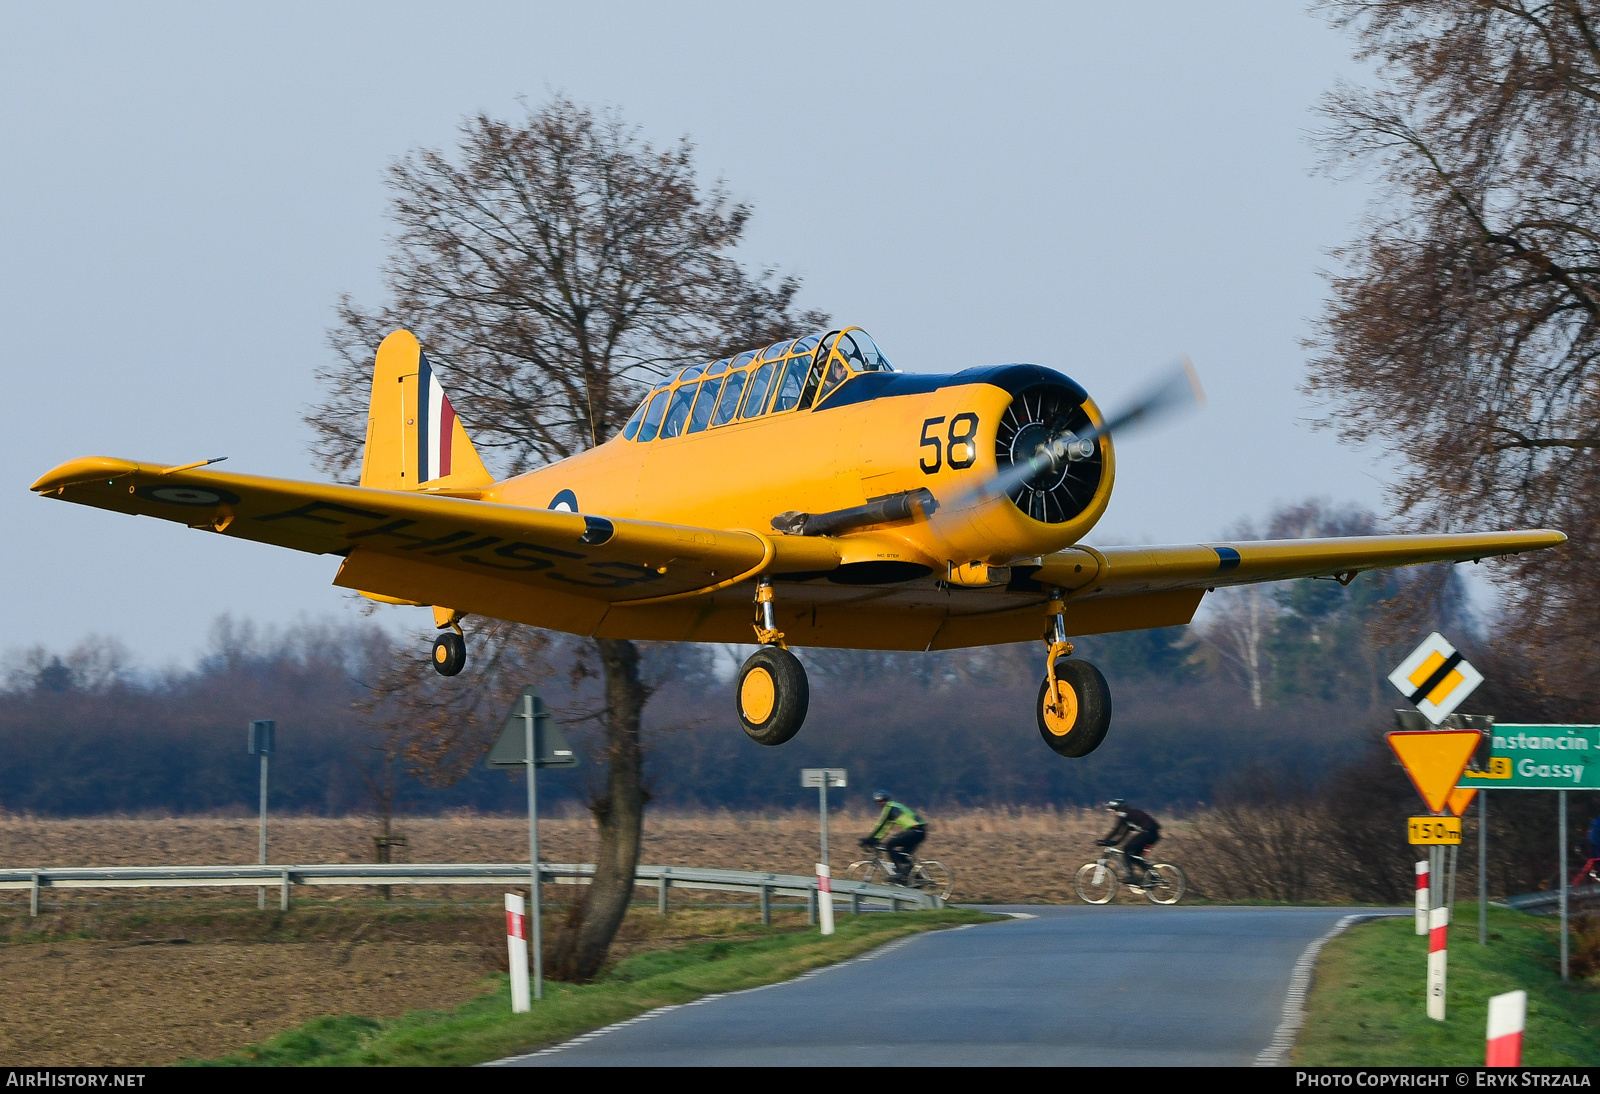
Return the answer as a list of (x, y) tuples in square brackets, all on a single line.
[(83, 469)]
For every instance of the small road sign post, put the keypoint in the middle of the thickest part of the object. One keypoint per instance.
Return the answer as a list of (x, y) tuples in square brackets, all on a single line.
[(263, 742), (1507, 1014), (517, 947), (1438, 940), (822, 778), (1422, 896), (530, 739)]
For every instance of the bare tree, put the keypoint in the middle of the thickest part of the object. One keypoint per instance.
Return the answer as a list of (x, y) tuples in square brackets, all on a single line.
[(554, 267), (1238, 628), (1268, 824), (1464, 327)]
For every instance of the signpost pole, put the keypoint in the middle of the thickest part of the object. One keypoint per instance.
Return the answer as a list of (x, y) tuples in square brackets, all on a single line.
[(261, 856), (1455, 866), (1561, 812), (263, 742), (1483, 867), (822, 794), (1436, 872), (822, 904), (537, 941)]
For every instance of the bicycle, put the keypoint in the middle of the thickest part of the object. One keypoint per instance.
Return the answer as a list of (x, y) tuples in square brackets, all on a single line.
[(1096, 882), (1588, 874), (926, 874)]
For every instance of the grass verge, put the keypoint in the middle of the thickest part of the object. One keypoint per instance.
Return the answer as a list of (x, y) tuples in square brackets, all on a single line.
[(485, 1029), (1367, 1006)]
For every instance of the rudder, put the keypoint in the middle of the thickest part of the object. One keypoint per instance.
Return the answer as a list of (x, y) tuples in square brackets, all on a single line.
[(414, 439)]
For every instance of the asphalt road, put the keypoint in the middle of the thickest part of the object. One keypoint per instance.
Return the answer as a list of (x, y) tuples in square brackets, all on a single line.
[(1121, 985)]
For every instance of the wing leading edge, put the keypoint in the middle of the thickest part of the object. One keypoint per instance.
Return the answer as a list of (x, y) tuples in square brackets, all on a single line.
[(637, 579), (396, 542), (1130, 571)]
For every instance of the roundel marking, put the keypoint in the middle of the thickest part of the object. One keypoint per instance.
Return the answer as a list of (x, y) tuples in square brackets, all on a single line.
[(188, 495), (564, 502)]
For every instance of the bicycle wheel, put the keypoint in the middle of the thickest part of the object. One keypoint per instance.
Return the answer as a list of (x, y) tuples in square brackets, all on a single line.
[(865, 870), (1095, 883), (934, 877), (1169, 883)]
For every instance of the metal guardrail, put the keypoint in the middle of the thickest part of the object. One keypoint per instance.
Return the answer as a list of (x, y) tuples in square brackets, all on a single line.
[(663, 878), (1545, 903)]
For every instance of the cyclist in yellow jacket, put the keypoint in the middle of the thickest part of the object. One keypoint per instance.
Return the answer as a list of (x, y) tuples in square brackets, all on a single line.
[(912, 830)]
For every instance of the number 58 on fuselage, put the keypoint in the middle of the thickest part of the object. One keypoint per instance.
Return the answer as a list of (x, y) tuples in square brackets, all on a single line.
[(805, 494)]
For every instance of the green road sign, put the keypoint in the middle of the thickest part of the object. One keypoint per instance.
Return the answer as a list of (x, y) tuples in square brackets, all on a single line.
[(1539, 758)]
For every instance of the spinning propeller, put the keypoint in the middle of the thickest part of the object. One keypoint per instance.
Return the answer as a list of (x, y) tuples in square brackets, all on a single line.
[(1053, 453)]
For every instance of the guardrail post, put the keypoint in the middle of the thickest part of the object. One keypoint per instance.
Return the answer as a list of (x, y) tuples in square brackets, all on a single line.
[(283, 898), (766, 905), (811, 905), (894, 904), (661, 897), (855, 901), (33, 897)]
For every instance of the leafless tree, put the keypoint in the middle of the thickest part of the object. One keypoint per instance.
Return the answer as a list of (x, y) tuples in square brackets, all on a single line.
[(1464, 324), (553, 267), (1238, 627), (1268, 825)]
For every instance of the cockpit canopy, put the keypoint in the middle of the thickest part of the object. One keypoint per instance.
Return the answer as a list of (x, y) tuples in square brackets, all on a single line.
[(787, 376)]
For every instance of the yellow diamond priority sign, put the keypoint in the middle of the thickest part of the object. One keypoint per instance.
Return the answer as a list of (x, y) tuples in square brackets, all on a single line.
[(1436, 678), (1435, 759)]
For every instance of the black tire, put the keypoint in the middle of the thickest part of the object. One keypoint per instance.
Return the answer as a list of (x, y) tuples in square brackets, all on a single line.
[(772, 695), (1092, 717), (449, 654)]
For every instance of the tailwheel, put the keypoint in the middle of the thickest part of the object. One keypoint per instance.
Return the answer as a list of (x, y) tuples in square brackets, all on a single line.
[(449, 654), (772, 695), (1076, 722)]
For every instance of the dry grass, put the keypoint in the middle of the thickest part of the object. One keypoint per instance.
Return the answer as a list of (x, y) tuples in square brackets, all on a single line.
[(997, 855)]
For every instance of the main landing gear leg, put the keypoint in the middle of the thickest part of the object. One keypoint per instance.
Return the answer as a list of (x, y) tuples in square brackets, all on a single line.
[(450, 648), (773, 692), (1074, 701)]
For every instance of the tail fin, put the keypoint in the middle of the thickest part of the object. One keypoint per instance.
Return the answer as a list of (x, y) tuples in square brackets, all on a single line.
[(414, 439)]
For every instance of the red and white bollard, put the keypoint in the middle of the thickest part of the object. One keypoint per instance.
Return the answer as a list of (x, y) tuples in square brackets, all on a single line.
[(1422, 897), (1438, 930), (1506, 1016), (517, 943), (825, 897)]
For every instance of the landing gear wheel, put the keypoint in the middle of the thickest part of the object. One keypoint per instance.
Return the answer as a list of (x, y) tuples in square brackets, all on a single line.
[(1078, 725), (449, 654), (772, 695)]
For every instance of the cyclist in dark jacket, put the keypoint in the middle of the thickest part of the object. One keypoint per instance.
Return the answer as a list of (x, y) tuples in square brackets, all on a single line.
[(1144, 831), (912, 830)]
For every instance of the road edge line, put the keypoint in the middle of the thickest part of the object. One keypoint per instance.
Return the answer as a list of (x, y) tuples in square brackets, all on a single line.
[(1276, 1054), (584, 1038)]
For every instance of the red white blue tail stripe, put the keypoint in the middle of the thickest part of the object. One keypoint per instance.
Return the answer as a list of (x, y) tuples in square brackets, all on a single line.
[(436, 425)]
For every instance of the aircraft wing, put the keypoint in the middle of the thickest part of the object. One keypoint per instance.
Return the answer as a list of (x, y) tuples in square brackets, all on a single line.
[(1128, 571), (411, 547)]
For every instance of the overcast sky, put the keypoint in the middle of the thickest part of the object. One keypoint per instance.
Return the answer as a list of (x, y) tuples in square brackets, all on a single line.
[(1094, 187)]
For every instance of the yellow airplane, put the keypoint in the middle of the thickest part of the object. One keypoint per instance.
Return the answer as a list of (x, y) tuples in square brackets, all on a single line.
[(805, 494)]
